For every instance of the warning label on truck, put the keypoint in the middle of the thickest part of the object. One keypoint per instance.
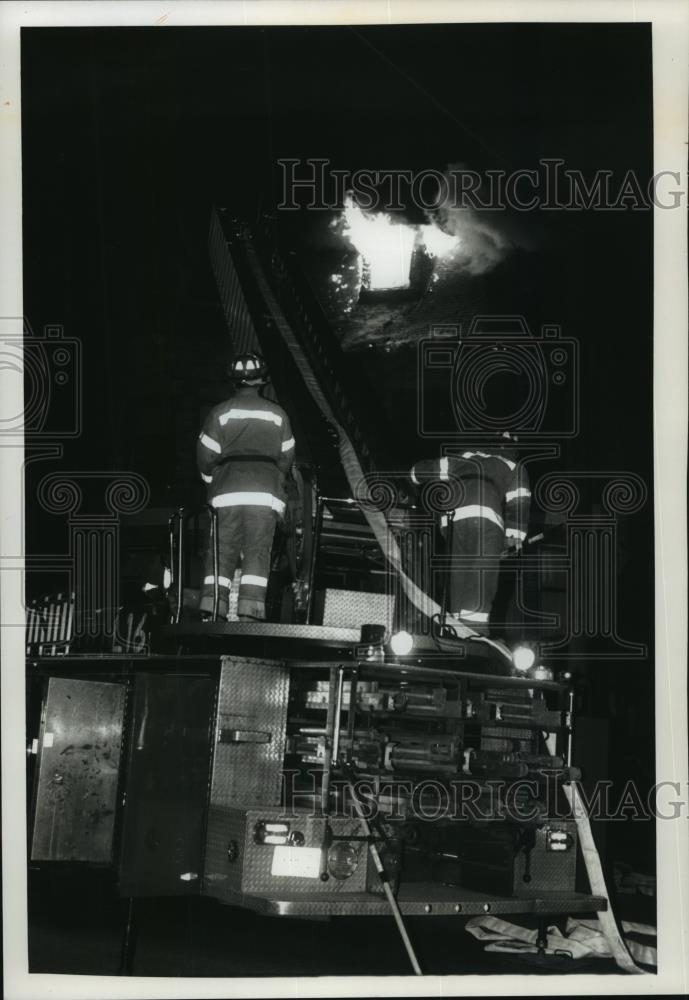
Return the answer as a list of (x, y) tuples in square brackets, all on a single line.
[(297, 862)]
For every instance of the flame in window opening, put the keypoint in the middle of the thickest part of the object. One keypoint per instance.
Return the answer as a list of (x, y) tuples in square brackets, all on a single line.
[(386, 247)]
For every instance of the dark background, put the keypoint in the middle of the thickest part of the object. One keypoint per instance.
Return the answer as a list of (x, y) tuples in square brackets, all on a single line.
[(131, 135)]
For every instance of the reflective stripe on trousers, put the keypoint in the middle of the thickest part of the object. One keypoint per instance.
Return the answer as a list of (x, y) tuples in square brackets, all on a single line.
[(223, 581), (248, 530)]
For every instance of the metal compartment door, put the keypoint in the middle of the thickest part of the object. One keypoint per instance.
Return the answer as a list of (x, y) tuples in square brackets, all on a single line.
[(167, 773), (248, 754), (77, 779)]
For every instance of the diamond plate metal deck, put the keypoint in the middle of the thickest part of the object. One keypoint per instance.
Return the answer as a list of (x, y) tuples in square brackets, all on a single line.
[(342, 607), (548, 869), (266, 630), (225, 830), (236, 865), (252, 697), (416, 899)]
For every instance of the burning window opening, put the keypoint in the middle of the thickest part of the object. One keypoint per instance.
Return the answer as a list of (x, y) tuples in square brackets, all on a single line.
[(387, 249)]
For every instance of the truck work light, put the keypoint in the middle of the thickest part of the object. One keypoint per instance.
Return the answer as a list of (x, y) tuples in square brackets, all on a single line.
[(401, 643), (523, 657)]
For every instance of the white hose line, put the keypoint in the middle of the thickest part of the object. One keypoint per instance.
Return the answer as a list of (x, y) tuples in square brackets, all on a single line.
[(594, 871), (394, 906), (350, 461)]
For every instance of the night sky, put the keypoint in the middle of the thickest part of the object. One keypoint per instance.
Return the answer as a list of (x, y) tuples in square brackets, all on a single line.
[(131, 135)]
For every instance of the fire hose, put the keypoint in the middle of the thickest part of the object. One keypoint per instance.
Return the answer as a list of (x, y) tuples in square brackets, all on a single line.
[(382, 875), (594, 870), (351, 464)]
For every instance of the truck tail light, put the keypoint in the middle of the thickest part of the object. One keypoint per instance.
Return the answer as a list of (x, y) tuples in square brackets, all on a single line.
[(558, 840), (343, 860), (271, 832)]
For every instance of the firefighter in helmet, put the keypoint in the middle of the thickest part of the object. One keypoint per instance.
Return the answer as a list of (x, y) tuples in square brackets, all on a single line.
[(492, 517), (244, 452)]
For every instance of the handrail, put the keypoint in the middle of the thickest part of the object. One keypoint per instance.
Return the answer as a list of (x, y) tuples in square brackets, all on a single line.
[(177, 521)]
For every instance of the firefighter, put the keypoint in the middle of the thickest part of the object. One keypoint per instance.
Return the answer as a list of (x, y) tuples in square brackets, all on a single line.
[(492, 517), (244, 453)]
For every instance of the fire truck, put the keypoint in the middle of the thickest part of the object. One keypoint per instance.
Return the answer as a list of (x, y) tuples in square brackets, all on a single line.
[(348, 756)]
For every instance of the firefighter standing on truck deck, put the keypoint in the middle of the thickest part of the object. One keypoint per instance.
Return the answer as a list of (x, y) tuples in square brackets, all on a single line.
[(244, 452), (492, 517)]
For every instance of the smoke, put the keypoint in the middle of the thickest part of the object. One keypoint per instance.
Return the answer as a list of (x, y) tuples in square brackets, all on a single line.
[(484, 237)]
